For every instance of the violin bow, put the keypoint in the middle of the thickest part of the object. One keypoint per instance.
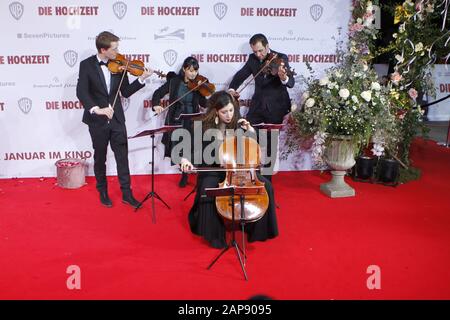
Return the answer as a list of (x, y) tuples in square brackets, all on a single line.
[(118, 89), (257, 74), (178, 99)]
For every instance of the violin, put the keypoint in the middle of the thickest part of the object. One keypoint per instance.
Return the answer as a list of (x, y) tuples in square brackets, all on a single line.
[(202, 85), (134, 67), (273, 64), (241, 158)]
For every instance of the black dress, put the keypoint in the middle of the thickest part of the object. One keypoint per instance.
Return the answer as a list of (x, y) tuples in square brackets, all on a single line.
[(205, 221), (189, 104)]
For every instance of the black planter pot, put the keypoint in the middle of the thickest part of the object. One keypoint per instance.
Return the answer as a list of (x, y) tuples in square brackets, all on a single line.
[(388, 170), (364, 167)]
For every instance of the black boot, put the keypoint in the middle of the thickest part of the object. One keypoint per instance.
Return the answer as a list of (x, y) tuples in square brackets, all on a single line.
[(105, 200), (128, 198), (184, 180)]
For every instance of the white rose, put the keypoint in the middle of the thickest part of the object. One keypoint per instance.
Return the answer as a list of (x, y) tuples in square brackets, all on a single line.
[(324, 81), (344, 93), (310, 102), (355, 99), (376, 86), (305, 95), (366, 95), (418, 47)]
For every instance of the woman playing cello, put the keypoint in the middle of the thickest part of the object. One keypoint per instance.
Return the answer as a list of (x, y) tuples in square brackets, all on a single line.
[(223, 114)]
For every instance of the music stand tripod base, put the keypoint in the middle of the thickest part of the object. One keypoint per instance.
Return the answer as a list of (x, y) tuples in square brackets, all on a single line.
[(152, 194), (232, 191)]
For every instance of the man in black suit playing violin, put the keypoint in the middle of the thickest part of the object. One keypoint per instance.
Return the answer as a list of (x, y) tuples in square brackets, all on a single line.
[(96, 89), (270, 101)]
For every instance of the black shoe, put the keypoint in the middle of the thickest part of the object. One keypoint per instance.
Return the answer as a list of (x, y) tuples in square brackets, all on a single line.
[(183, 181), (218, 244), (129, 199), (105, 200)]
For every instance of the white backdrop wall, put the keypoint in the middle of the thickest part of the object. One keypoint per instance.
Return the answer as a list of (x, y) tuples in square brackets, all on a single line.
[(43, 43), (441, 110)]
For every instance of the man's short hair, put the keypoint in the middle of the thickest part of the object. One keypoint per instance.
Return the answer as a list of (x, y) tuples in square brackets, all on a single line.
[(259, 37), (104, 39)]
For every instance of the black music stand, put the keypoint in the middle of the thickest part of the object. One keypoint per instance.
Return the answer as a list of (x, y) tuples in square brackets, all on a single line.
[(269, 127), (152, 194), (189, 116), (241, 192)]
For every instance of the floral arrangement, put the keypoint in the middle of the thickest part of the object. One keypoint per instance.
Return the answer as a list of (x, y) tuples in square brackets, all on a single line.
[(362, 33)]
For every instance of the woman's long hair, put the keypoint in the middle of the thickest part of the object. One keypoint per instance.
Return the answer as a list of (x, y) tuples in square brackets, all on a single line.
[(187, 63), (216, 102)]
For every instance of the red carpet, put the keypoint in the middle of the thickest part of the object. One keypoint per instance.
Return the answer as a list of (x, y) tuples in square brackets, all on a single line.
[(323, 251)]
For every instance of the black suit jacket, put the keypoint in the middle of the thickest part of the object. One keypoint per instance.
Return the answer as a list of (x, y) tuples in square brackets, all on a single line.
[(92, 91), (270, 93), (171, 87)]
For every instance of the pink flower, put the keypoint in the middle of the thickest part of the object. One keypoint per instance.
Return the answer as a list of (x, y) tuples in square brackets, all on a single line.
[(368, 15), (396, 77), (419, 6), (356, 27), (413, 93)]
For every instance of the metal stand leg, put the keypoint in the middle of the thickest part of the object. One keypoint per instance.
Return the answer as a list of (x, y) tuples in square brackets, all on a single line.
[(152, 194)]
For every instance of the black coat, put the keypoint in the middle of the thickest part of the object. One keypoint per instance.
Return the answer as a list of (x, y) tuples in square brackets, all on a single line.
[(92, 91), (171, 87), (270, 97)]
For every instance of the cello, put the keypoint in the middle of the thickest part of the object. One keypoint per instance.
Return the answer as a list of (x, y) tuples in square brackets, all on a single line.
[(240, 158)]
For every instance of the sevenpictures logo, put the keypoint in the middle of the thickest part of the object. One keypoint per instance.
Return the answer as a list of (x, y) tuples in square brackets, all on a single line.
[(25, 104), (16, 9), (119, 9)]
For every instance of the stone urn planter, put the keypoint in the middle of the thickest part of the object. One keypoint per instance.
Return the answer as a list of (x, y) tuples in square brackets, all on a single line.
[(339, 155)]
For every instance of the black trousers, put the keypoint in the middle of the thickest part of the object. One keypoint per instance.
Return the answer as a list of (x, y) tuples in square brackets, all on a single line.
[(116, 134), (260, 114)]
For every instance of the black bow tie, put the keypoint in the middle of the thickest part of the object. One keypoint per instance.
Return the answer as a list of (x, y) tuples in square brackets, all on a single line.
[(102, 63)]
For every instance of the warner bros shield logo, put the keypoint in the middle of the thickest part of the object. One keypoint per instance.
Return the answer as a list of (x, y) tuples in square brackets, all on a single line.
[(170, 56), (25, 105), (125, 103), (316, 11), (120, 9), (220, 10), (16, 10), (71, 57)]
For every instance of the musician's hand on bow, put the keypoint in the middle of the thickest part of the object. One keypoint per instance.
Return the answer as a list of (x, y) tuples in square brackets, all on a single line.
[(147, 73), (233, 92), (186, 165), (108, 112), (282, 72), (158, 109), (244, 124)]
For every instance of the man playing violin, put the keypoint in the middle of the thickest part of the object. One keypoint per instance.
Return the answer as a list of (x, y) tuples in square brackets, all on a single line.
[(178, 87), (270, 101), (96, 89)]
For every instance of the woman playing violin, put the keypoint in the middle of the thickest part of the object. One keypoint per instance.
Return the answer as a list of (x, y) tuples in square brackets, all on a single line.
[(223, 114), (178, 87)]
